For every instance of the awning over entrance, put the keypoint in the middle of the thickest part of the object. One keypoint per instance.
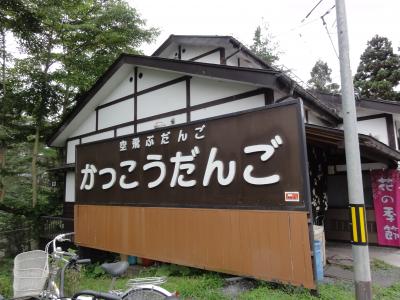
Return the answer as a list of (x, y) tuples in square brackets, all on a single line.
[(371, 149)]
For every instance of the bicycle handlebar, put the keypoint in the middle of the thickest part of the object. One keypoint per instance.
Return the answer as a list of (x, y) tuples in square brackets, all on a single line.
[(97, 295), (73, 261), (61, 238), (83, 261)]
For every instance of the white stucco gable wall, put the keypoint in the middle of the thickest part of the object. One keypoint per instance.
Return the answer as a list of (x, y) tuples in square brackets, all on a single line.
[(378, 124), (209, 49), (175, 97)]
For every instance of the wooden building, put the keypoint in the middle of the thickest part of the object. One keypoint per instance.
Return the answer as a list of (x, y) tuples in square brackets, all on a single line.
[(191, 78)]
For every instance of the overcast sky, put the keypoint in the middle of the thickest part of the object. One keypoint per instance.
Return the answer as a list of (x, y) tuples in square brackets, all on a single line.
[(301, 43)]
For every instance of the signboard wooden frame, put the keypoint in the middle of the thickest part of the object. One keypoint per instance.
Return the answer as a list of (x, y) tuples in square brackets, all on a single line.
[(174, 202)]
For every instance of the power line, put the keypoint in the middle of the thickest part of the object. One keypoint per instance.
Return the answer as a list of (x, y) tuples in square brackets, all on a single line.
[(330, 38), (334, 23), (323, 22), (328, 11), (288, 71), (311, 11), (326, 28), (296, 27)]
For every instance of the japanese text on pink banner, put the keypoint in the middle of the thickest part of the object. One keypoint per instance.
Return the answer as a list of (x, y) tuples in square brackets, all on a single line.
[(386, 192)]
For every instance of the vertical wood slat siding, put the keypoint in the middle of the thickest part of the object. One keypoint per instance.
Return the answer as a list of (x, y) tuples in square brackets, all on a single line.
[(269, 245)]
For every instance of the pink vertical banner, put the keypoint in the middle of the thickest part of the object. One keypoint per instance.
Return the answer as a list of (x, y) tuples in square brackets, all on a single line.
[(386, 193)]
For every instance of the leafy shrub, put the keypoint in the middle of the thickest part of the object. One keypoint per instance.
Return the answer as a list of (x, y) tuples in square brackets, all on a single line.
[(94, 271)]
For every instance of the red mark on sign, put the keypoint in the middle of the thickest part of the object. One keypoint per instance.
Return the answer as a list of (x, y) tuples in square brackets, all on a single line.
[(292, 196)]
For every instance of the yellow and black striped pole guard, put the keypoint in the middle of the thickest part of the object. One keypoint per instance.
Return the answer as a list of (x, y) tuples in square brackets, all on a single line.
[(358, 224)]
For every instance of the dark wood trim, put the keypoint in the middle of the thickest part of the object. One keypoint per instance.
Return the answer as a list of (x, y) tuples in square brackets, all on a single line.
[(389, 126), (228, 39), (377, 156), (84, 99), (179, 52), (238, 61), (379, 152), (306, 114), (135, 123), (228, 99), (371, 117), (234, 114), (206, 69), (188, 100), (382, 105), (145, 91), (97, 119), (391, 106), (207, 53), (233, 54), (163, 46), (390, 131), (127, 97), (162, 115), (319, 107), (176, 112), (367, 142), (222, 59), (269, 96), (135, 99), (162, 85), (65, 187), (265, 77), (106, 129)]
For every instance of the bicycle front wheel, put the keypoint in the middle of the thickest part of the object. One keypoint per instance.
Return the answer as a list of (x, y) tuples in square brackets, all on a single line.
[(147, 292)]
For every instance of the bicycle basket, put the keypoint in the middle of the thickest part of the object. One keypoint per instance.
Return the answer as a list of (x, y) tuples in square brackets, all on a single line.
[(31, 270)]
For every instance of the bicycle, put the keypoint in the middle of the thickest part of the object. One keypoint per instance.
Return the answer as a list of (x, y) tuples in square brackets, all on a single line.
[(32, 270), (138, 288)]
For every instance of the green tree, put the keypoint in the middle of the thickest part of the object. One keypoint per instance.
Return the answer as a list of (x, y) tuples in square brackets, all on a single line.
[(17, 178), (66, 48), (378, 73), (76, 42), (14, 16), (321, 80), (92, 38), (264, 46)]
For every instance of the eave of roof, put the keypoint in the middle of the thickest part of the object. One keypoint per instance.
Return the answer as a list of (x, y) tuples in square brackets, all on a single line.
[(260, 77), (384, 105), (174, 37), (229, 39), (286, 80), (84, 99), (312, 100), (335, 136), (377, 104)]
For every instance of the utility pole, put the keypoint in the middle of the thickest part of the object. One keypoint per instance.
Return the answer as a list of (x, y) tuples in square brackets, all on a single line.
[(362, 272)]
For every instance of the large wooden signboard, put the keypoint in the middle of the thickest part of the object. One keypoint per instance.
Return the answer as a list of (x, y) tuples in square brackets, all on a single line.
[(228, 194)]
